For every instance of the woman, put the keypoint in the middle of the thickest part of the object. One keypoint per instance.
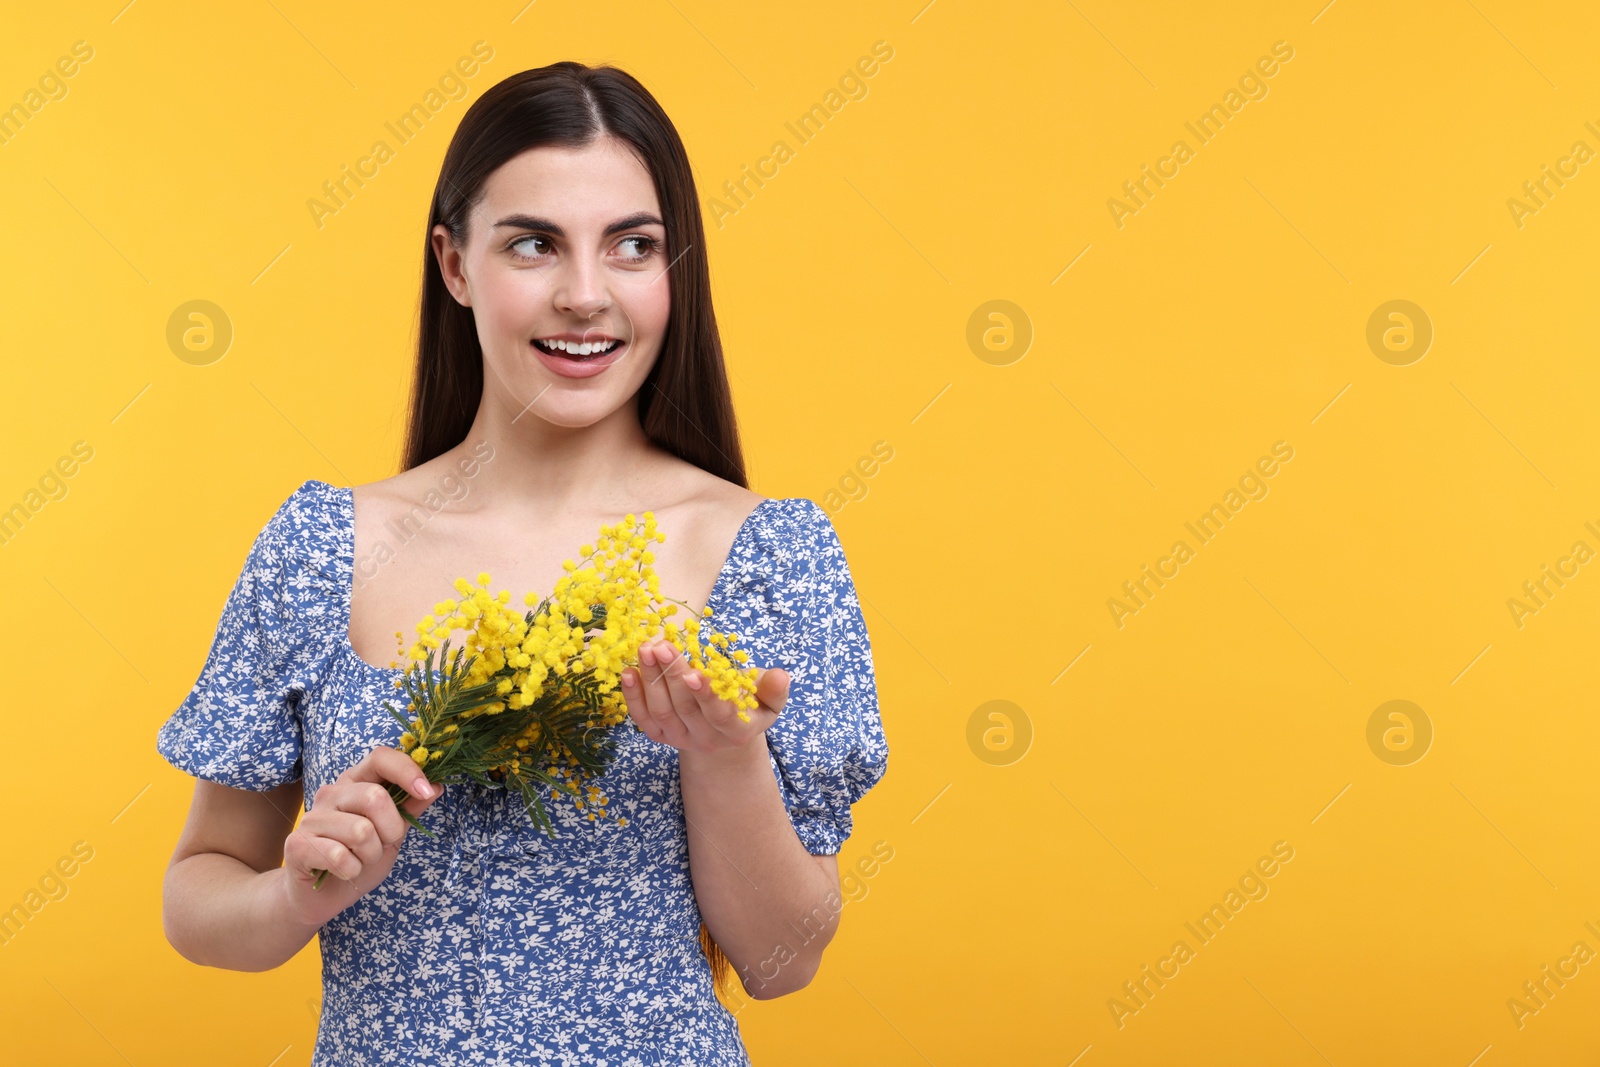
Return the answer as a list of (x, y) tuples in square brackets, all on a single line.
[(568, 372)]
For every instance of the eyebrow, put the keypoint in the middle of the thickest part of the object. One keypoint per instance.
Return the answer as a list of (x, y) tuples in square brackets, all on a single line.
[(533, 222)]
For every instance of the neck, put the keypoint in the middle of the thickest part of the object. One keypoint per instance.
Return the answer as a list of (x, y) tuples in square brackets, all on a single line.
[(541, 467)]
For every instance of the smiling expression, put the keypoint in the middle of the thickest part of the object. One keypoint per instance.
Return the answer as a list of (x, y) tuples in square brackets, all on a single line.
[(564, 269)]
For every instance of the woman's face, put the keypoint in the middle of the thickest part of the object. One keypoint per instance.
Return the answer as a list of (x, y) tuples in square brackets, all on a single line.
[(567, 247)]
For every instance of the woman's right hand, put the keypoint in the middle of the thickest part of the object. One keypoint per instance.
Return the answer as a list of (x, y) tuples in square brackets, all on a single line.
[(354, 832)]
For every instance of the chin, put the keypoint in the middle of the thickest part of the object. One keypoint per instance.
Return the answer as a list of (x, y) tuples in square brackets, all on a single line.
[(571, 410)]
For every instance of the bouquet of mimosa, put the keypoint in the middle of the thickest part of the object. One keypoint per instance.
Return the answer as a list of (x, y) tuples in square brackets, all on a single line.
[(529, 702)]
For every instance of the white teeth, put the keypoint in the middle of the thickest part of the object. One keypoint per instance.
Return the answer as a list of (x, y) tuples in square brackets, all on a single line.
[(573, 349)]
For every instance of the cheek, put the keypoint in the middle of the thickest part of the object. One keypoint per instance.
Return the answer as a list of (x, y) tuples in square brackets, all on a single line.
[(504, 303), (649, 306)]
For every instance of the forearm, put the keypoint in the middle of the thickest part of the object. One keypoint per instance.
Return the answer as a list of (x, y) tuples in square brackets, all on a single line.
[(764, 898), (218, 912)]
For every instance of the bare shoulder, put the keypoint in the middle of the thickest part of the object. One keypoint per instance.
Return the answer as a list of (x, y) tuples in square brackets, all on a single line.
[(444, 476), (704, 517), (413, 498), (714, 503), (701, 516)]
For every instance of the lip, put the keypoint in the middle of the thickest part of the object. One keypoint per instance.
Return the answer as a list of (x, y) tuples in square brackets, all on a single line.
[(578, 338), (578, 368)]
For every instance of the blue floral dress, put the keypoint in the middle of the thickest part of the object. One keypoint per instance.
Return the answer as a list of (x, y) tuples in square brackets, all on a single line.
[(490, 943)]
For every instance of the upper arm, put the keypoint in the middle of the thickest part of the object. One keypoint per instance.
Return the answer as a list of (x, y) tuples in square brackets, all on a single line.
[(247, 825), (828, 746), (829, 865)]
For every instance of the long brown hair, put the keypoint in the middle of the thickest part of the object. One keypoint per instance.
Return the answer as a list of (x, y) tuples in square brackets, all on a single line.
[(684, 404)]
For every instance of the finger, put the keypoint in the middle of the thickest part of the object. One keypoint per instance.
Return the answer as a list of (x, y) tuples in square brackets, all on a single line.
[(372, 801), (305, 853), (356, 833), (632, 699), (720, 713), (641, 715), (772, 689), (689, 705), (665, 726), (313, 852), (387, 764)]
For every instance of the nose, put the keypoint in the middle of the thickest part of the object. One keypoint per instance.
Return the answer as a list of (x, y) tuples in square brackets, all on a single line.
[(582, 289)]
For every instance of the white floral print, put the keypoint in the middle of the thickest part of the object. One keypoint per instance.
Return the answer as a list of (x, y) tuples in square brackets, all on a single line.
[(489, 943)]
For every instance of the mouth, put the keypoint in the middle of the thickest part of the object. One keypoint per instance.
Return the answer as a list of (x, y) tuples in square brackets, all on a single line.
[(573, 350)]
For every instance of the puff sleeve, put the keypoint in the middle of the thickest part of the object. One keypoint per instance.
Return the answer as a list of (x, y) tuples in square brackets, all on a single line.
[(827, 745), (240, 725)]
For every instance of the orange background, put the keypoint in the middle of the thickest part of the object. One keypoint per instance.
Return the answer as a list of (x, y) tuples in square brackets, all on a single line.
[(1066, 795)]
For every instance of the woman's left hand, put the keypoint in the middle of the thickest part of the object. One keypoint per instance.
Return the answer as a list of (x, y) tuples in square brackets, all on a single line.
[(675, 705)]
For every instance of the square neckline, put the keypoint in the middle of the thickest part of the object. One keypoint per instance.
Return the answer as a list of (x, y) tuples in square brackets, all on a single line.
[(347, 553)]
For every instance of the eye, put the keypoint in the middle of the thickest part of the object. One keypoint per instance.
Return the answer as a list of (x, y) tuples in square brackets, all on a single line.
[(647, 246), (512, 247), (538, 248)]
